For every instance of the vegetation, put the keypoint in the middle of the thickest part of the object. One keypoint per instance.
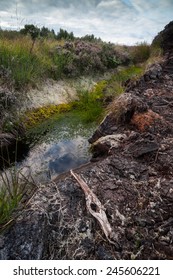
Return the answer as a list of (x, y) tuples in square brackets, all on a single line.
[(33, 31), (33, 54), (38, 115), (19, 65), (89, 106), (140, 53), (13, 186)]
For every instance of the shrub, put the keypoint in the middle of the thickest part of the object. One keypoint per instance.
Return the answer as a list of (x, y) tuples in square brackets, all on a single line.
[(82, 57), (140, 53), (50, 58)]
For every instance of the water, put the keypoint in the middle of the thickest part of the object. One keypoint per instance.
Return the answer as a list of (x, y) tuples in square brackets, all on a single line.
[(64, 147)]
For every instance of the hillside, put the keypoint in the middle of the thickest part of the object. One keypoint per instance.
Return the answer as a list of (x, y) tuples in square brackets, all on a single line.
[(131, 175)]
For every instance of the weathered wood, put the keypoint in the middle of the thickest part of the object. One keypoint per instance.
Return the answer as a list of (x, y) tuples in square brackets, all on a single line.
[(99, 211)]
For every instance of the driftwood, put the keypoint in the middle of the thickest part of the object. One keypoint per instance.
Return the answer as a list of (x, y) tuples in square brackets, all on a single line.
[(97, 210)]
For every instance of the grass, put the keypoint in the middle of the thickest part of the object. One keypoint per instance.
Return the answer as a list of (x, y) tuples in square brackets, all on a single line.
[(140, 53), (89, 105), (51, 59), (14, 185), (25, 67), (116, 84)]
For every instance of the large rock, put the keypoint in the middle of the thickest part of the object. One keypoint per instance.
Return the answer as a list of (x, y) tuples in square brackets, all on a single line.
[(165, 38), (105, 144)]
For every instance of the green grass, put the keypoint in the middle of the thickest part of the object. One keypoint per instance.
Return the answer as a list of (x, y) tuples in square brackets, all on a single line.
[(49, 60), (22, 66), (88, 106), (116, 84), (13, 186)]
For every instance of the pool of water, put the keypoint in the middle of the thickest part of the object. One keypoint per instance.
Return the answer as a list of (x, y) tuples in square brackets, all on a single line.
[(62, 147)]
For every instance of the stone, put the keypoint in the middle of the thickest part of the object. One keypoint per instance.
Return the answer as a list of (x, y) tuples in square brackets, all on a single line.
[(105, 144)]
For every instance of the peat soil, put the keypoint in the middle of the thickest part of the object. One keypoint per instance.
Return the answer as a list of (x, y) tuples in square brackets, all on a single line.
[(130, 173)]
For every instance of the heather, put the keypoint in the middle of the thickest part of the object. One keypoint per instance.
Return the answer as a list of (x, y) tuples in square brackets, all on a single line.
[(27, 57)]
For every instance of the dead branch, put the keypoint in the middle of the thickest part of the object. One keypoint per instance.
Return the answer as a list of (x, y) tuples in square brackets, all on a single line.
[(96, 209)]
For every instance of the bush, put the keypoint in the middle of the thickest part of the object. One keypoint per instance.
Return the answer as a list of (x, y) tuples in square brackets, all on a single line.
[(140, 53), (27, 65)]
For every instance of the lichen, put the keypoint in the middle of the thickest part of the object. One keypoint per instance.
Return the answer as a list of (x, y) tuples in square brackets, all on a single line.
[(144, 120)]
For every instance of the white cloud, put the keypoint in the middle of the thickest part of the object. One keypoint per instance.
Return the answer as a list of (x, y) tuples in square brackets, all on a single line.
[(122, 21)]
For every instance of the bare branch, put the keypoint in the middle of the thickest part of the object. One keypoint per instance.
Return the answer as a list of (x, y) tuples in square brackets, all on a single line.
[(96, 209)]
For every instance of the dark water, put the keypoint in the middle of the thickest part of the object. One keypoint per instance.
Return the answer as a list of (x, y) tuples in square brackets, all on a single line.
[(64, 147)]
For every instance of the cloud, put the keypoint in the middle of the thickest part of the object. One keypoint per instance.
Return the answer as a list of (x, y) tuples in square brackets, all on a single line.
[(122, 21)]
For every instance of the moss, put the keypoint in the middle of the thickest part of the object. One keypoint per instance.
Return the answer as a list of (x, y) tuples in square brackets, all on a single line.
[(41, 114)]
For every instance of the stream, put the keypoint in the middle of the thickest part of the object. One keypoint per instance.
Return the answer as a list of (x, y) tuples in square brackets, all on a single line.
[(63, 146)]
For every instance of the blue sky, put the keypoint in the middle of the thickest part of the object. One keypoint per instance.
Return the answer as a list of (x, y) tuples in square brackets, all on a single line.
[(118, 21)]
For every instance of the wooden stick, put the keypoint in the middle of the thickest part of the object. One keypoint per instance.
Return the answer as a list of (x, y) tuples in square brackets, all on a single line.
[(98, 212)]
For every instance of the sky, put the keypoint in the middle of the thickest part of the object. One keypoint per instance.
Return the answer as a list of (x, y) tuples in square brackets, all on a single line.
[(118, 21)]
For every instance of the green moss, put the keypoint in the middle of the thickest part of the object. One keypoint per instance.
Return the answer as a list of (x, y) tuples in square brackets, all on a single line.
[(36, 116)]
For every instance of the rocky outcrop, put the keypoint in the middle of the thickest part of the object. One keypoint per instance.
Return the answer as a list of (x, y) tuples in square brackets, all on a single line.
[(165, 38), (132, 176)]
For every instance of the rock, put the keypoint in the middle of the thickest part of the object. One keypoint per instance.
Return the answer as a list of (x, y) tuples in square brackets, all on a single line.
[(105, 144), (165, 38), (122, 110), (153, 72), (106, 125), (142, 147)]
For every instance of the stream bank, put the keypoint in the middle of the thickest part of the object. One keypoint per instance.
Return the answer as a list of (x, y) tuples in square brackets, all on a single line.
[(32, 108)]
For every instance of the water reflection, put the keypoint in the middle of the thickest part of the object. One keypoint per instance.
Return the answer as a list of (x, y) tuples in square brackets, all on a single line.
[(58, 152)]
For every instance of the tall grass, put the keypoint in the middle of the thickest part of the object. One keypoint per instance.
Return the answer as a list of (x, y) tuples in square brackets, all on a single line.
[(23, 67), (14, 185), (140, 53)]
